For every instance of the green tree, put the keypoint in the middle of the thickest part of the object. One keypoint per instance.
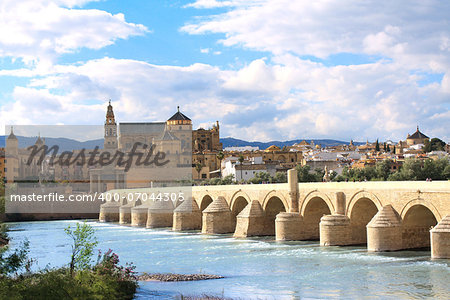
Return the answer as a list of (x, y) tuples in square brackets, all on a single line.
[(261, 177), (16, 261), (220, 156), (280, 177), (304, 175), (383, 169), (198, 168), (227, 180), (446, 173), (377, 146), (241, 160), (434, 144), (388, 149), (84, 241)]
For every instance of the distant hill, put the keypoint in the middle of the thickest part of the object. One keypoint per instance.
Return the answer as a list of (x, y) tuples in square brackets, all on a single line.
[(63, 143), (69, 144), (232, 142)]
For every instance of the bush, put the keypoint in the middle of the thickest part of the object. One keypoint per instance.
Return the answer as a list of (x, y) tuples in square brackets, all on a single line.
[(105, 280)]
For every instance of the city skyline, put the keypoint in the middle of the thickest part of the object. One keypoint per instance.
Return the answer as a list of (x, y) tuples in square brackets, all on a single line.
[(266, 70)]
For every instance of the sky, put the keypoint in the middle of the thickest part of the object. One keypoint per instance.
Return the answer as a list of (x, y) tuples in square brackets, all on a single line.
[(265, 69)]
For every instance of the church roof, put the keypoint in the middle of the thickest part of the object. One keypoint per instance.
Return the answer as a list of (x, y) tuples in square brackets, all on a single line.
[(303, 143), (39, 141), (273, 148), (417, 135), (12, 136), (178, 116)]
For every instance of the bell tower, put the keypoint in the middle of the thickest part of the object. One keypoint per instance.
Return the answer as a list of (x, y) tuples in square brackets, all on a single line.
[(110, 139)]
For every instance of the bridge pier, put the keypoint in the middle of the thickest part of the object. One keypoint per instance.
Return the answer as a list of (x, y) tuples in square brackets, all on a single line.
[(139, 216), (125, 214), (160, 214), (440, 239), (288, 227), (384, 231), (109, 212), (335, 230), (217, 218), (187, 216), (250, 221)]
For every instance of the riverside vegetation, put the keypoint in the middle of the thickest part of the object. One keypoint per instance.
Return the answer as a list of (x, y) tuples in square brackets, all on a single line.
[(412, 169), (105, 279)]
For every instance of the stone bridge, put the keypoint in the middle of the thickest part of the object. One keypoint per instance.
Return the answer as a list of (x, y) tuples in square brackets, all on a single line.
[(386, 216)]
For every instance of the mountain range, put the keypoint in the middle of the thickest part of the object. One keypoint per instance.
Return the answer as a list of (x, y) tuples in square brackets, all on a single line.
[(70, 144)]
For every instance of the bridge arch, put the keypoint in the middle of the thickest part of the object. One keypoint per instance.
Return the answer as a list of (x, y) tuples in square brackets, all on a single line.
[(238, 202), (313, 195), (274, 193), (205, 200), (315, 205), (362, 207), (418, 217), (422, 202), (362, 195), (273, 205)]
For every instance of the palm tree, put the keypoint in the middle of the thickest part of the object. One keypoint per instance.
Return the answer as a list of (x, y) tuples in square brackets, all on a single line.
[(220, 156), (198, 168), (241, 160)]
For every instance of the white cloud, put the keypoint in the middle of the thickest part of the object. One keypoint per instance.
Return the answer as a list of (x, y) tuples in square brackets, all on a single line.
[(204, 50), (209, 4), (261, 101), (279, 96), (40, 30), (321, 28)]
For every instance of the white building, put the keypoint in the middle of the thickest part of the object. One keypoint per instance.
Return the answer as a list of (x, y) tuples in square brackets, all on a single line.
[(248, 169)]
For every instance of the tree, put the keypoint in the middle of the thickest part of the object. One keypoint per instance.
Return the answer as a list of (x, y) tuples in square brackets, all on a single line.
[(261, 177), (304, 175), (241, 160), (388, 149), (434, 144), (198, 168), (227, 180), (220, 156), (384, 147), (280, 177), (84, 241), (383, 169), (16, 261), (377, 146)]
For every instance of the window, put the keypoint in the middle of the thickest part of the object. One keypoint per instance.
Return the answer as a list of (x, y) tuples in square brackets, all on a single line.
[(203, 176)]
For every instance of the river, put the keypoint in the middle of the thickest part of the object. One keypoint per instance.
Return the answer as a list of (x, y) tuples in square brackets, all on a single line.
[(258, 268)]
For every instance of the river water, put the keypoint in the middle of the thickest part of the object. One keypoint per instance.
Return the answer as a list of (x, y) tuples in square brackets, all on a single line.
[(259, 268)]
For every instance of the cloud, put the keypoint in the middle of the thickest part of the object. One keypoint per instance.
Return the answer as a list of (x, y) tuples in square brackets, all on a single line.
[(283, 95), (395, 30), (209, 4), (41, 30), (289, 99)]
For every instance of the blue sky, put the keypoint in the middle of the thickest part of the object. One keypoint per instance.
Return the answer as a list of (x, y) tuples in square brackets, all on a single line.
[(267, 70)]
